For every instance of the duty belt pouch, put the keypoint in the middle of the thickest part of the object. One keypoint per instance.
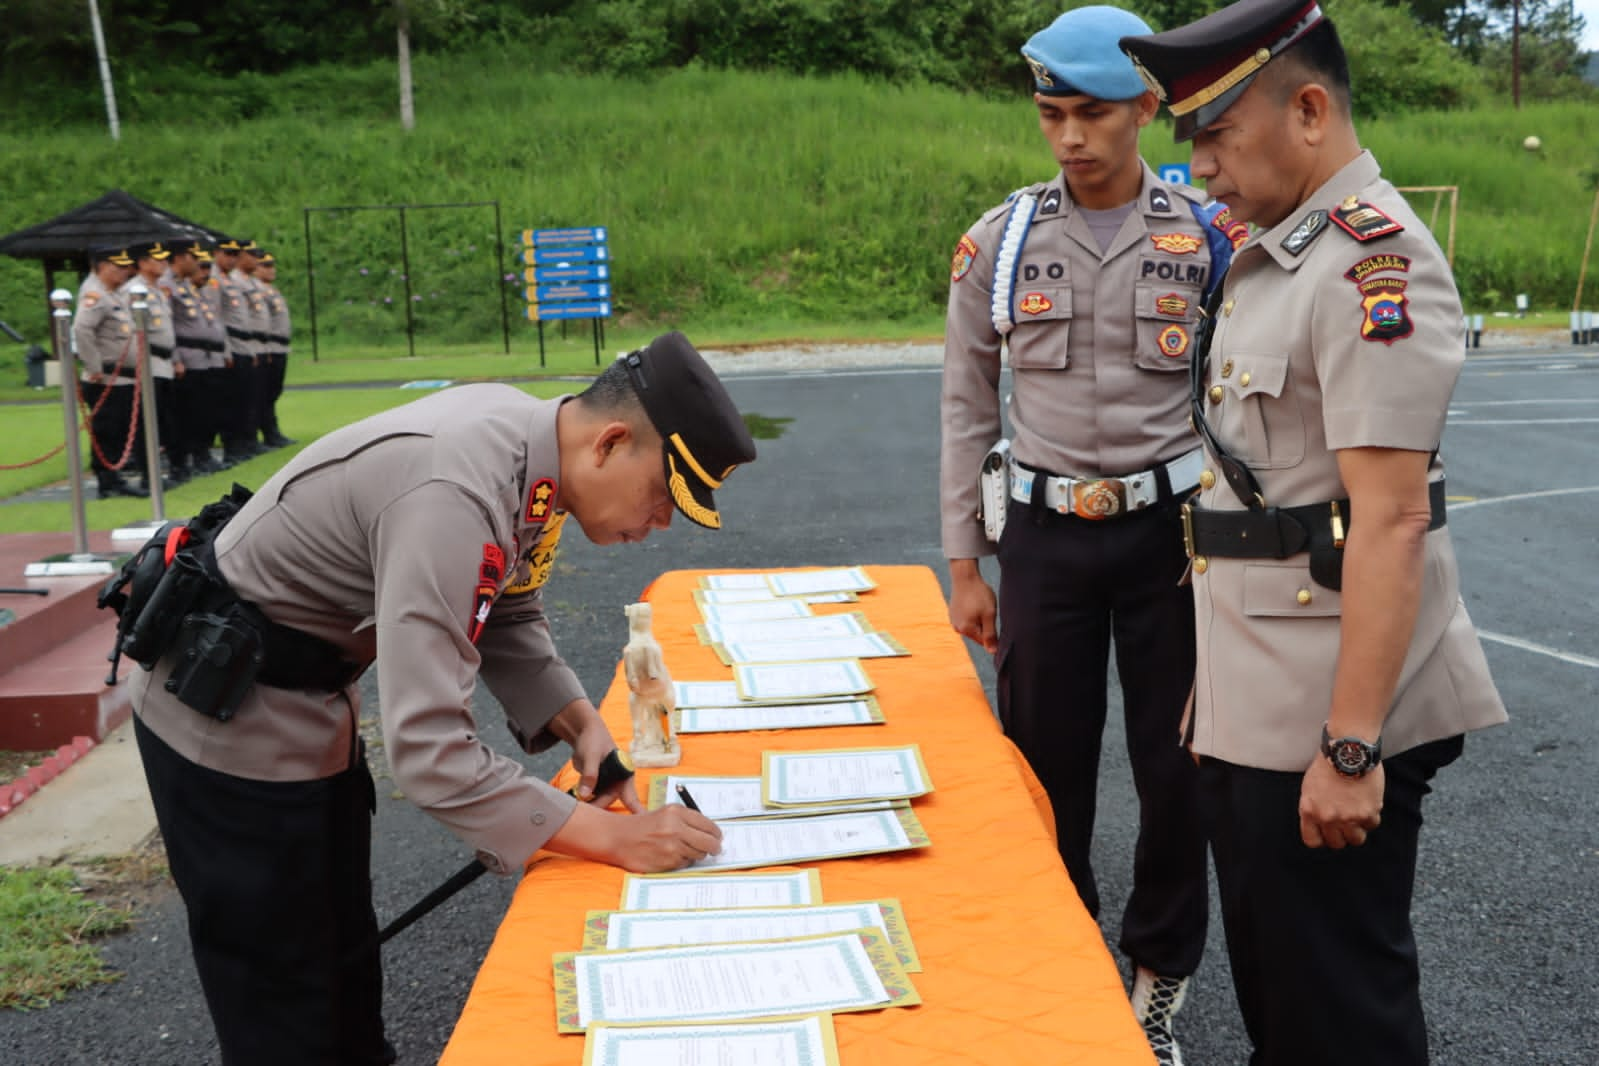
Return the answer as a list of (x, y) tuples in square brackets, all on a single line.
[(217, 656), (993, 490), (1326, 562), (150, 632)]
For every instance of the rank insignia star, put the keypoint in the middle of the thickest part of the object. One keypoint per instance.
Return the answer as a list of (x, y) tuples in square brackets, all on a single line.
[(538, 499)]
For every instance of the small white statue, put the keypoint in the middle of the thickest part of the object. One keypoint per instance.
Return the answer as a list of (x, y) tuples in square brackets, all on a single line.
[(651, 698)]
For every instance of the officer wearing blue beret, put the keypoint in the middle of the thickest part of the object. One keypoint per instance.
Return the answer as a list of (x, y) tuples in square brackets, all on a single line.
[(1091, 282)]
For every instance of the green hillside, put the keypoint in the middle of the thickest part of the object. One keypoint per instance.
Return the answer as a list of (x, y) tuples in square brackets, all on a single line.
[(741, 206)]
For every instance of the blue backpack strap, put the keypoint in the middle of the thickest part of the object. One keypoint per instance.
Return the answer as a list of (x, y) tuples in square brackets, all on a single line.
[(1221, 246)]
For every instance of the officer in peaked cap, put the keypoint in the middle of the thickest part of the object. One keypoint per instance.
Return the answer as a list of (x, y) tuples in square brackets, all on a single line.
[(276, 346), (201, 348), (1338, 670), (153, 259), (1092, 280), (102, 334), (431, 530), (703, 438)]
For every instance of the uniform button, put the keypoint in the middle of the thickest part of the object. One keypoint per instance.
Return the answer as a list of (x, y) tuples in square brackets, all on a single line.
[(1215, 394), (1227, 308), (538, 817), (1303, 597), (1201, 564), (1227, 369), (1207, 479), (1243, 379)]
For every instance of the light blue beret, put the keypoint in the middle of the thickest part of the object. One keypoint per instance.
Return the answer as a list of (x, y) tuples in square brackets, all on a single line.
[(1080, 54)]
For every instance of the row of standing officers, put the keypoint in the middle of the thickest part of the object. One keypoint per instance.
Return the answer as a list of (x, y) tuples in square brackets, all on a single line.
[(218, 335)]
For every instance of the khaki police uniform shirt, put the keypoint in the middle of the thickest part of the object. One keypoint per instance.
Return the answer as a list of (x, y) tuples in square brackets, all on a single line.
[(277, 327), (1099, 354), (159, 334), (255, 311), (102, 332), (398, 538), (1347, 344), (236, 317), (196, 324)]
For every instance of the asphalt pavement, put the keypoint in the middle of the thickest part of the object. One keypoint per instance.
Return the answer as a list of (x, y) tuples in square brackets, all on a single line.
[(1505, 905)]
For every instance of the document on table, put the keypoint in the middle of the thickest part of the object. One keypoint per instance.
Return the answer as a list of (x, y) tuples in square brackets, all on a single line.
[(840, 972), (723, 799), (702, 597), (753, 716), (726, 694), (676, 892), (844, 775), (735, 581), (779, 841), (755, 611), (812, 628), (805, 1041), (804, 582), (859, 646), (797, 682), (626, 930)]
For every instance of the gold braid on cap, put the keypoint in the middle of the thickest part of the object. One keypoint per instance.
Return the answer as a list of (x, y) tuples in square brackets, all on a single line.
[(685, 499), (1259, 58)]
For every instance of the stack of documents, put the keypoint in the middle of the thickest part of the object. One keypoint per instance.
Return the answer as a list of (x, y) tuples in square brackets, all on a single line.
[(716, 706)]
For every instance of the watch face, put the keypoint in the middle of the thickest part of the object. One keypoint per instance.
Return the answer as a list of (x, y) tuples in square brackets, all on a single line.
[(1350, 757)]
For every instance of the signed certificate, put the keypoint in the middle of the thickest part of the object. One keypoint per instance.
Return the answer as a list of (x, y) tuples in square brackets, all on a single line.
[(675, 892), (845, 775), (777, 841), (859, 646), (816, 626), (804, 582), (781, 1042), (797, 682), (730, 798), (777, 716), (725, 981), (755, 611)]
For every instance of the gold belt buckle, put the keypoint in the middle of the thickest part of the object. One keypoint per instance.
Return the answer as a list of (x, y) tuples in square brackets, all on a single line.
[(1188, 529), (1099, 499)]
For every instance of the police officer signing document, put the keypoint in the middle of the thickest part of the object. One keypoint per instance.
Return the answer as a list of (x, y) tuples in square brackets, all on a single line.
[(1093, 282), (1338, 670), (419, 539)]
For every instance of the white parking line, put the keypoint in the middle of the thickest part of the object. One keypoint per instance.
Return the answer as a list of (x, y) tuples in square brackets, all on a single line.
[(1539, 649), (1469, 504), (1521, 421)]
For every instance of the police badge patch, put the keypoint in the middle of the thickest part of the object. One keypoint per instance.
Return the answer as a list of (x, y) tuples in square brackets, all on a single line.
[(1034, 303), (1384, 301), (1176, 243), (1173, 341), (961, 264)]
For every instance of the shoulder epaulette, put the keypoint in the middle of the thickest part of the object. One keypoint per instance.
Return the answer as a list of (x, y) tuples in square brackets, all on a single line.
[(1364, 222)]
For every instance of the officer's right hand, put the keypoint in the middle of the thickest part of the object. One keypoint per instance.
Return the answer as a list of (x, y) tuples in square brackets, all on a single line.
[(972, 606), (653, 842)]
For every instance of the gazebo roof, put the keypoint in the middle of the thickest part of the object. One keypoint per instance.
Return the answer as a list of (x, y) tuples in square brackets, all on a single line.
[(115, 218)]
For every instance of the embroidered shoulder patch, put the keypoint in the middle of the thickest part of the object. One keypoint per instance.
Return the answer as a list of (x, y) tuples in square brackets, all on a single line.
[(1383, 300), (961, 264), (538, 500), (1364, 222), (1307, 230), (91, 298), (1236, 232), (1176, 243), (1373, 263)]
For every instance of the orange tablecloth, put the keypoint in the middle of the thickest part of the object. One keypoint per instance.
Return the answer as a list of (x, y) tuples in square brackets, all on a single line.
[(1016, 973)]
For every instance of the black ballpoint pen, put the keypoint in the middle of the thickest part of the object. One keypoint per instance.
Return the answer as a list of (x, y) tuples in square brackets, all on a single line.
[(688, 800)]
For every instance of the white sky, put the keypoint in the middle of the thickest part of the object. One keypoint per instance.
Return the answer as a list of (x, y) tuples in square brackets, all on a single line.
[(1589, 10)]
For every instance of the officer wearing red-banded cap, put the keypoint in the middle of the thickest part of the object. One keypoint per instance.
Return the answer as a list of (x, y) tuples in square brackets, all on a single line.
[(1092, 281), (420, 539), (1338, 670)]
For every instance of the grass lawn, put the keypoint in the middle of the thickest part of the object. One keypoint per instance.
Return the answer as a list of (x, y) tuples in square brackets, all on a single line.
[(305, 414)]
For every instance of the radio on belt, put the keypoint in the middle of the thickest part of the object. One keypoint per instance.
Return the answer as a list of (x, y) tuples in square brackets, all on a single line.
[(993, 489)]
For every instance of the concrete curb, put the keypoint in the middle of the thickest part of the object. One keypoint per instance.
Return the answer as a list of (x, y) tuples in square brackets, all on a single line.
[(97, 805), (36, 777)]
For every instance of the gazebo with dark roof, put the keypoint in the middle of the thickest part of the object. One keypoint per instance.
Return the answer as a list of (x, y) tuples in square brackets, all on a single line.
[(63, 242)]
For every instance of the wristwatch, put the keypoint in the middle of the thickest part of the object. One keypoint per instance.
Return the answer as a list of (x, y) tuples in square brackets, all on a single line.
[(1350, 756)]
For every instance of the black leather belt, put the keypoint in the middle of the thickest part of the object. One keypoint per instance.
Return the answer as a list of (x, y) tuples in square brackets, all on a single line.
[(241, 334), (202, 344), (1278, 532), (161, 351), (276, 338)]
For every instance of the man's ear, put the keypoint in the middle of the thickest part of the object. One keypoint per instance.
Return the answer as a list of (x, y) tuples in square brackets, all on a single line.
[(1147, 106), (1313, 109), (611, 436)]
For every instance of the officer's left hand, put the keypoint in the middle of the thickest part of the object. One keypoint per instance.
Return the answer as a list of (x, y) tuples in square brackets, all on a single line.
[(1337, 811), (589, 749)]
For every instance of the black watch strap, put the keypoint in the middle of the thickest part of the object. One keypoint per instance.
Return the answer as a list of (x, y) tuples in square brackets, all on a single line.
[(1350, 756)]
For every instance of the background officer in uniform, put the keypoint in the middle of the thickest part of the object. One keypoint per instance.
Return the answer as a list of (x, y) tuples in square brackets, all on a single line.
[(238, 418), (102, 334), (1338, 670), (215, 429), (260, 316), (419, 538), (151, 261), (1096, 301), (201, 345), (277, 335)]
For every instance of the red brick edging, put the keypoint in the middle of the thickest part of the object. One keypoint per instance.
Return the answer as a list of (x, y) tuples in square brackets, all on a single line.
[(13, 794)]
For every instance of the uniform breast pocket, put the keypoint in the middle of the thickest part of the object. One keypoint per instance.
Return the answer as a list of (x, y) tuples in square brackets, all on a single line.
[(1164, 332), (1043, 327), (1260, 420)]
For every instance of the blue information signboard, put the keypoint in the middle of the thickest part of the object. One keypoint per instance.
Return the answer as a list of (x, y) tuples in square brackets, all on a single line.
[(1175, 173), (568, 276)]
